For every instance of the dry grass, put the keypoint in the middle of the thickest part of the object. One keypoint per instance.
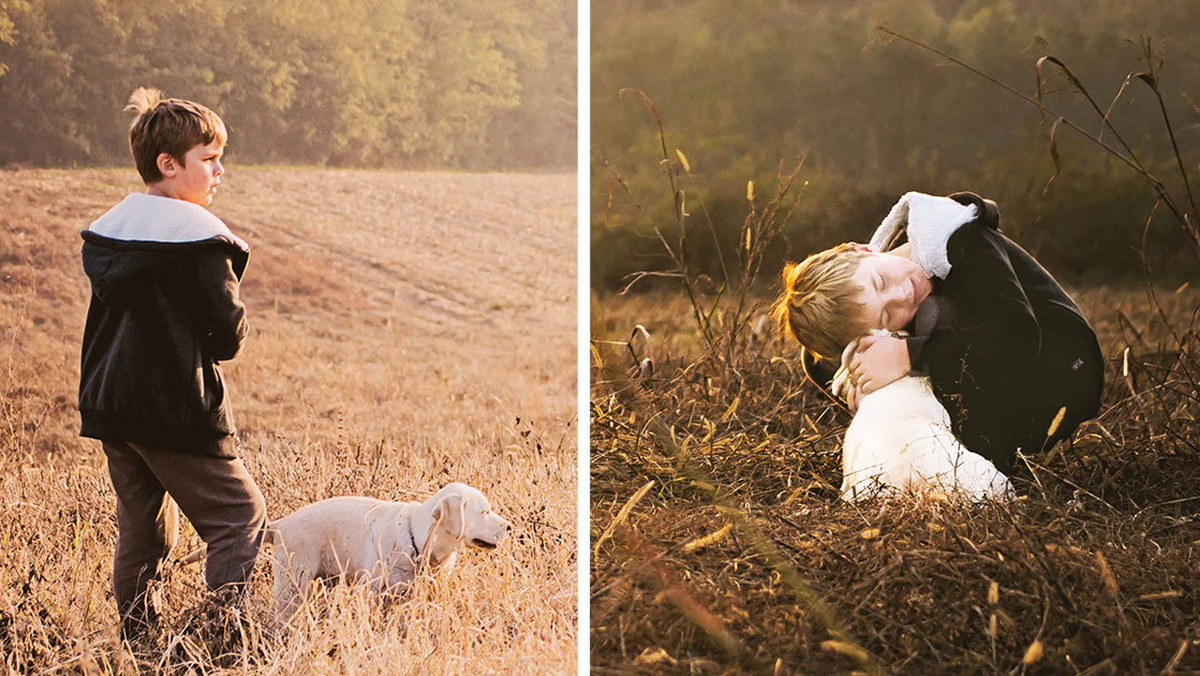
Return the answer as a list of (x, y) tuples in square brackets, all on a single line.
[(739, 557), (407, 330)]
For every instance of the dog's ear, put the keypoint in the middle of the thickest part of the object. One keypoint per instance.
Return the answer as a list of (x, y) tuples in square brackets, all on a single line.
[(450, 511), (840, 385)]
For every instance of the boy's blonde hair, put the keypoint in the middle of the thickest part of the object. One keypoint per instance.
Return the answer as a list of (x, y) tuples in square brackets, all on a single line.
[(819, 304), (172, 126)]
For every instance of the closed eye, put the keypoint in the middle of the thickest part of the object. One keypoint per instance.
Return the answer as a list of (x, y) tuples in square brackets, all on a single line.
[(879, 286)]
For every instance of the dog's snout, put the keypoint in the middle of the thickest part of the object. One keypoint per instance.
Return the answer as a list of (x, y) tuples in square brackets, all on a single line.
[(504, 530)]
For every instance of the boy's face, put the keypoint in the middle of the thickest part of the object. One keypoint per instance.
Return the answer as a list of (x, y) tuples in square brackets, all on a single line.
[(196, 179), (893, 289)]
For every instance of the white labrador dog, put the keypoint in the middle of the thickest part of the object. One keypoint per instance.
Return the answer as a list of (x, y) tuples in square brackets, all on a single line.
[(381, 543), (900, 441)]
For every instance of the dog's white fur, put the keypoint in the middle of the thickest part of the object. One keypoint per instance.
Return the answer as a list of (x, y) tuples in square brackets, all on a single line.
[(900, 441), (381, 543)]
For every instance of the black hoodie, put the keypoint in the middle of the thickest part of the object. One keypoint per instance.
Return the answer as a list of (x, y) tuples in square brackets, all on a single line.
[(1004, 345), (164, 311)]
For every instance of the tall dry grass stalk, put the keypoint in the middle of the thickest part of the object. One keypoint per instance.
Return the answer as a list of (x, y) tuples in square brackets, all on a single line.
[(720, 323)]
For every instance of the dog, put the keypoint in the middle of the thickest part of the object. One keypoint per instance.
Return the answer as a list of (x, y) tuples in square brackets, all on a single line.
[(380, 543), (900, 441)]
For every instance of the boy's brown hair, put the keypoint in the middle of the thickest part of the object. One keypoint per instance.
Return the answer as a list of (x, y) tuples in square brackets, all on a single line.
[(819, 304), (172, 126)]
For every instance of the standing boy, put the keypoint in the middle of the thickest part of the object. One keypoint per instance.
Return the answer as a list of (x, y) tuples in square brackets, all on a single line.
[(1007, 351), (164, 311)]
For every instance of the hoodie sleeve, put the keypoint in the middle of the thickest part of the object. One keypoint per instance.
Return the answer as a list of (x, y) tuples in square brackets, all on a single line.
[(916, 357), (994, 345), (223, 325), (1003, 326)]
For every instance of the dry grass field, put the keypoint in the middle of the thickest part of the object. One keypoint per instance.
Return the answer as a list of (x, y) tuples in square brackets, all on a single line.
[(407, 330), (721, 545)]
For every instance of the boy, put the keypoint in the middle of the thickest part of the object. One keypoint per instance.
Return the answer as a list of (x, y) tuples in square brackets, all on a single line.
[(1005, 348), (164, 311)]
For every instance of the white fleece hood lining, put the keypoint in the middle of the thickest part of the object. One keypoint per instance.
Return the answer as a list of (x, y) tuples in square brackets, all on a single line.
[(930, 221), (142, 217)]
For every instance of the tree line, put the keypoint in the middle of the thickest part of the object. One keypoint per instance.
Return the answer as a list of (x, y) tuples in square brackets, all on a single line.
[(743, 87), (488, 84)]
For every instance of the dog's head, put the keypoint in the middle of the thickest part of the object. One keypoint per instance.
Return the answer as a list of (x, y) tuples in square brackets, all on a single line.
[(462, 515)]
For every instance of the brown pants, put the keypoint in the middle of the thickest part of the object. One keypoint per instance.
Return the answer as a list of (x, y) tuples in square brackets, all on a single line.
[(216, 494)]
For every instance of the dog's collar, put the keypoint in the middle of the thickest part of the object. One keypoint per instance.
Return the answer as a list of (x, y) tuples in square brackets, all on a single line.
[(412, 538)]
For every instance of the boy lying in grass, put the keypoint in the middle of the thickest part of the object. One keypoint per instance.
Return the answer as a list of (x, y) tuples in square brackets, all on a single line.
[(1004, 346)]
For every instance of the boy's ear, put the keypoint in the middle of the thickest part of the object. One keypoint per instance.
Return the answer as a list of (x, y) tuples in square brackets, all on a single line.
[(167, 165)]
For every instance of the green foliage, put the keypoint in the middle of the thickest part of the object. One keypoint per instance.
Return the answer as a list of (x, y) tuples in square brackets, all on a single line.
[(408, 83), (744, 87)]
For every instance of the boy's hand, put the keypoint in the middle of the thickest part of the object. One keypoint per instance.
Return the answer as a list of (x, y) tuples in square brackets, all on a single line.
[(853, 396), (880, 360)]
